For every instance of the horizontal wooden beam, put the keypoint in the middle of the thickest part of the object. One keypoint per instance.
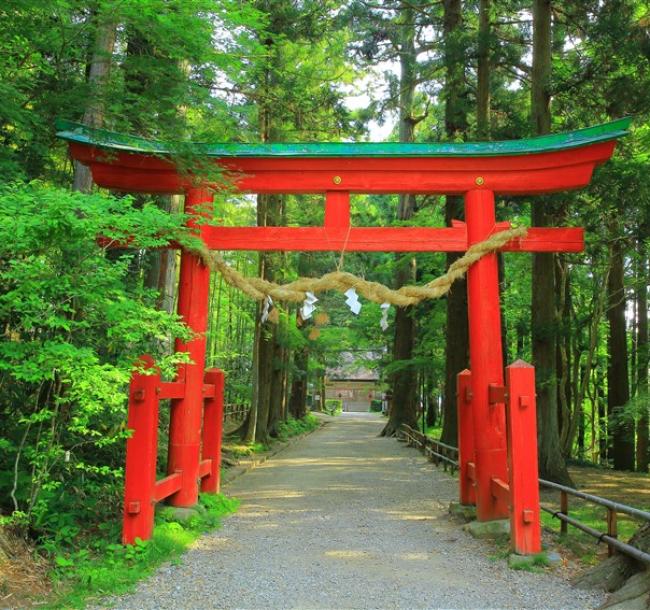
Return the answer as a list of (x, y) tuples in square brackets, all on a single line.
[(515, 174), (380, 239), (208, 391), (371, 239), (167, 486), (205, 467), (171, 389)]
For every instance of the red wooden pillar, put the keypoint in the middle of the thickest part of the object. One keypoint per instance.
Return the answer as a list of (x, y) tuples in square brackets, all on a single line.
[(141, 451), (486, 360), (213, 430), (186, 412), (525, 529), (466, 463)]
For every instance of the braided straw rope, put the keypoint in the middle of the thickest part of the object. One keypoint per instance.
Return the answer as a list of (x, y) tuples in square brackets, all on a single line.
[(258, 288)]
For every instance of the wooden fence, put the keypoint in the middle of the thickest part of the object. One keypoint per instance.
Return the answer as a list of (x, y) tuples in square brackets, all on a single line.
[(440, 452)]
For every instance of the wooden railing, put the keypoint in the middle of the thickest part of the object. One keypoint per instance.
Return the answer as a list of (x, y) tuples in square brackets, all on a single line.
[(610, 537), (236, 412), (437, 451), (446, 453)]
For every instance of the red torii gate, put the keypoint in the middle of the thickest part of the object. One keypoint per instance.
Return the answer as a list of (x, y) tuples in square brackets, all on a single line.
[(498, 454)]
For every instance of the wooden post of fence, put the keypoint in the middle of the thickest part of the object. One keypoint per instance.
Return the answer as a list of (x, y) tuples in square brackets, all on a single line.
[(612, 529), (141, 453), (213, 430), (465, 437), (564, 509), (521, 420)]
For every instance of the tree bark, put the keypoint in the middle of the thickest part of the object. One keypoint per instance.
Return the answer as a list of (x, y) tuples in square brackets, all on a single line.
[(404, 380), (457, 329), (618, 389), (613, 573), (543, 314), (298, 397), (483, 72), (643, 354), (100, 67)]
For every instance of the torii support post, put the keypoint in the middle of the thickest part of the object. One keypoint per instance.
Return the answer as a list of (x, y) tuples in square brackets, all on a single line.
[(185, 419), (213, 431), (525, 529), (141, 452), (466, 457), (486, 359)]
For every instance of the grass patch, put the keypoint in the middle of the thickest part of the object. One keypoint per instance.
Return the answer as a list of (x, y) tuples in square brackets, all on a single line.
[(112, 569), (435, 432), (241, 450), (534, 563), (580, 543), (295, 427), (285, 430), (333, 406)]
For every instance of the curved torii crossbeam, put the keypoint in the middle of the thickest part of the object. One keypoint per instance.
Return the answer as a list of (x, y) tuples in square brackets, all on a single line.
[(498, 446)]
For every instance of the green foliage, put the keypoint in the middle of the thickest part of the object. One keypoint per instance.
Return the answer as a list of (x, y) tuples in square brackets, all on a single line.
[(74, 322), (333, 406), (295, 427), (594, 516), (529, 564), (104, 568)]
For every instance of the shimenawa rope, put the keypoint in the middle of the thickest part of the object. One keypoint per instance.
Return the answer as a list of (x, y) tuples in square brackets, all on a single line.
[(258, 288)]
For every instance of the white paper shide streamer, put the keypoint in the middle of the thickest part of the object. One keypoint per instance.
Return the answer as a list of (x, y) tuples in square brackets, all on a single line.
[(308, 306), (384, 316), (352, 301)]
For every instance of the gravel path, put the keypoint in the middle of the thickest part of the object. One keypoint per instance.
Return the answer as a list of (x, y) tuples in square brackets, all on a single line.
[(345, 519)]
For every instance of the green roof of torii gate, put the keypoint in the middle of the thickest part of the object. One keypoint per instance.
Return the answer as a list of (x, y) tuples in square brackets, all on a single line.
[(75, 132)]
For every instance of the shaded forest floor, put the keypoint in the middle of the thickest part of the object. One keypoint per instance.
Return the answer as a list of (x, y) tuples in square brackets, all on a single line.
[(631, 488)]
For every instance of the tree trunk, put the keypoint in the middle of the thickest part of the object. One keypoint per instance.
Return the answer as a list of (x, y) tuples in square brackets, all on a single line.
[(276, 397), (618, 389), (483, 72), (298, 398), (543, 314), (404, 381), (643, 353), (100, 67), (457, 329)]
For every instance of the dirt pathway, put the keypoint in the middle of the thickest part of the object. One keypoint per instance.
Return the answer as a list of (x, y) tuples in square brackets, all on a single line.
[(345, 519)]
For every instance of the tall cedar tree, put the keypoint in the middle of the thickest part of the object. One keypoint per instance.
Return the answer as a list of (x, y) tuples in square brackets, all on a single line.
[(404, 378), (456, 126)]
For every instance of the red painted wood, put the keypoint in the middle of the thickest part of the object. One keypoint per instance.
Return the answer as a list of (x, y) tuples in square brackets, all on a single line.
[(521, 418), (167, 390), (186, 413), (141, 453), (384, 239), (549, 239), (523, 174), (368, 239), (213, 431), (373, 239), (167, 486), (471, 472), (205, 468), (500, 490), (337, 210), (208, 390), (485, 358), (466, 454)]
